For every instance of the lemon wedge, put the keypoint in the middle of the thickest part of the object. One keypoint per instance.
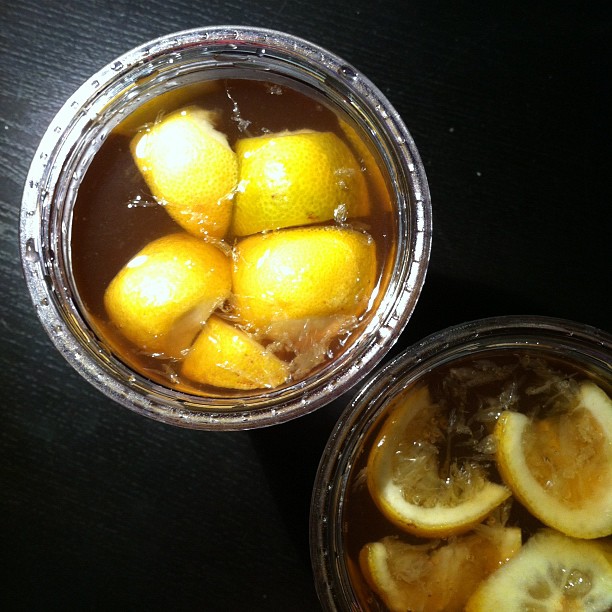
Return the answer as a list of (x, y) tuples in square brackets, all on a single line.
[(550, 572), (294, 179), (303, 273), (436, 575), (190, 168), (560, 466), (225, 356), (162, 296), (406, 479)]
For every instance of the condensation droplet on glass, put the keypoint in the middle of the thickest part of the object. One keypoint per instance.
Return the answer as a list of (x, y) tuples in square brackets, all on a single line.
[(384, 333), (348, 72), (31, 254)]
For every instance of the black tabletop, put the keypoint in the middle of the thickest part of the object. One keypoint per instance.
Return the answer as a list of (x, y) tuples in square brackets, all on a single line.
[(508, 103)]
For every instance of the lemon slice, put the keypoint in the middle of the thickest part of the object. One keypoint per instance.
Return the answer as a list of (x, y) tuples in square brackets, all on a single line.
[(560, 467), (225, 356), (296, 178), (550, 572), (436, 576), (407, 483), (162, 296), (190, 168)]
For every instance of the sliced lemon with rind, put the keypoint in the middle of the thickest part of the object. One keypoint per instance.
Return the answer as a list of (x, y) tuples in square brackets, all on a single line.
[(405, 480), (436, 575), (560, 467), (225, 356), (550, 572)]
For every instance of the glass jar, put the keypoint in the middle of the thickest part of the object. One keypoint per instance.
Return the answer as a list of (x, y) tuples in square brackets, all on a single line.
[(588, 348), (87, 118)]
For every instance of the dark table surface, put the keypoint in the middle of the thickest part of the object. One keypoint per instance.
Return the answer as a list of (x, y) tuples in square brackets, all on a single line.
[(509, 105)]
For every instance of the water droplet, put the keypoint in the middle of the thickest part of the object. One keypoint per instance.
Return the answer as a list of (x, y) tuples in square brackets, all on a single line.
[(44, 302), (31, 254), (347, 72), (260, 52)]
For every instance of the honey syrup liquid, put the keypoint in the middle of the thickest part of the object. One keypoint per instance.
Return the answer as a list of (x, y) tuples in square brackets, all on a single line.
[(115, 215), (472, 392)]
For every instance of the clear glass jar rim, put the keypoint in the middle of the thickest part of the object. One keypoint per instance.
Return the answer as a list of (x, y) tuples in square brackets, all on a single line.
[(80, 348)]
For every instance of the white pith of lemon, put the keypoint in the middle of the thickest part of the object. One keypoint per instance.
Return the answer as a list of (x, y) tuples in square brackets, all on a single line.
[(551, 572), (403, 475), (560, 467)]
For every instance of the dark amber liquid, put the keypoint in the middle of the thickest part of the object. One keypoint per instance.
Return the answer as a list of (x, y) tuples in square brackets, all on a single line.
[(115, 215), (466, 387)]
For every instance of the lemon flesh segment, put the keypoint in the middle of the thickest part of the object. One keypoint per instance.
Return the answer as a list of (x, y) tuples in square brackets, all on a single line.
[(162, 296), (190, 169), (436, 576), (405, 480), (225, 356), (560, 467), (294, 179), (550, 572), (299, 274)]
